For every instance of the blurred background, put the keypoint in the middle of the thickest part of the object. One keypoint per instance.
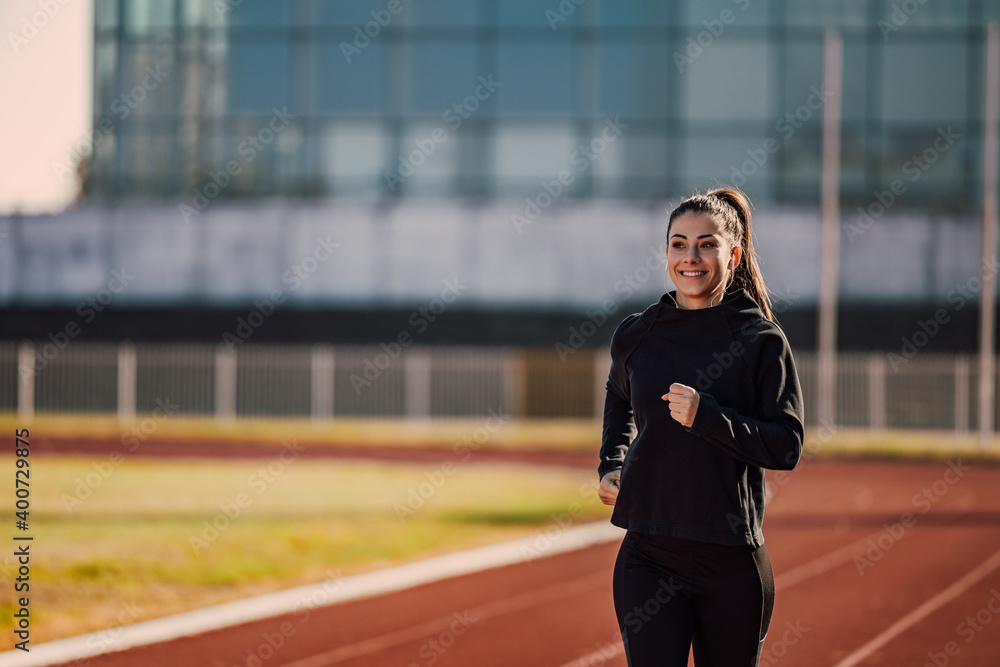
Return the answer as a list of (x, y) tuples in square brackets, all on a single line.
[(214, 153), (414, 225)]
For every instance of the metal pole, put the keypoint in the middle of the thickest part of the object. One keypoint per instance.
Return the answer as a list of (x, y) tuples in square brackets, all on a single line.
[(829, 248), (987, 303)]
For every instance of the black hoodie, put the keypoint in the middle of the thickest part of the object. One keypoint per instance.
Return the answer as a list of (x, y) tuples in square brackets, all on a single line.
[(705, 482)]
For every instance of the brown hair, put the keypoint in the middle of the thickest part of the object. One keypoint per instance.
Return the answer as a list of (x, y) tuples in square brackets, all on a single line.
[(731, 210)]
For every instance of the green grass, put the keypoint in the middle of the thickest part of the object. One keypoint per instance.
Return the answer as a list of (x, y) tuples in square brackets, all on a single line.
[(131, 551)]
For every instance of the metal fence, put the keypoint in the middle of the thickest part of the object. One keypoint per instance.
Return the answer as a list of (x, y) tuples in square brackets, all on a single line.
[(323, 382)]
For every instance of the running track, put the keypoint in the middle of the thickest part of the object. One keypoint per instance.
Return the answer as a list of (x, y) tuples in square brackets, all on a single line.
[(927, 589)]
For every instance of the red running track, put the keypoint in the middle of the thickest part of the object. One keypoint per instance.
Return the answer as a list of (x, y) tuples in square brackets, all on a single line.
[(876, 563)]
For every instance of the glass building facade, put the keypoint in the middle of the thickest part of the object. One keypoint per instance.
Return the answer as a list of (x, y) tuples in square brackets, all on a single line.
[(482, 99)]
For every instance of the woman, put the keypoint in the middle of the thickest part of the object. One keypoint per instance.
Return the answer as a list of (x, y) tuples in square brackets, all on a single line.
[(708, 379)]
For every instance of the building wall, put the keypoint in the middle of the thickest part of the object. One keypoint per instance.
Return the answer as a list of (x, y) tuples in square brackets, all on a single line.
[(727, 90), (336, 254)]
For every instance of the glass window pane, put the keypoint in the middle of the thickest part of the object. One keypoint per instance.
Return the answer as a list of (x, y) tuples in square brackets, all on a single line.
[(634, 165), (258, 75), (633, 79), (846, 13), (902, 15), (729, 82), (353, 157), (524, 13), (924, 161), (717, 15), (147, 85), (923, 82), (145, 15), (352, 13), (629, 13), (106, 14), (536, 76), (428, 162), (443, 13), (707, 160), (442, 74), (532, 151), (258, 13), (348, 86)]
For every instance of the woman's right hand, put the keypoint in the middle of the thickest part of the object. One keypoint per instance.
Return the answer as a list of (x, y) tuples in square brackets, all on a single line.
[(608, 491)]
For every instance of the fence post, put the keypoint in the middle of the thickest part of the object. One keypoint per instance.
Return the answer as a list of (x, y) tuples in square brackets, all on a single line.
[(225, 384), (127, 371), (417, 383), (321, 376), (876, 391), (962, 375), (513, 383), (26, 380)]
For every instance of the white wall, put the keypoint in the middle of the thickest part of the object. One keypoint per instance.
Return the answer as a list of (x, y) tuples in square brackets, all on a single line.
[(575, 254)]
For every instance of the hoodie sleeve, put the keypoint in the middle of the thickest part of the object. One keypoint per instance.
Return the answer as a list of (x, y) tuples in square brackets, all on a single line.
[(772, 437), (618, 417)]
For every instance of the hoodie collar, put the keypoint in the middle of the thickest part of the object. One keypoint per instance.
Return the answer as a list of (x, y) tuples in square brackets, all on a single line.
[(736, 310)]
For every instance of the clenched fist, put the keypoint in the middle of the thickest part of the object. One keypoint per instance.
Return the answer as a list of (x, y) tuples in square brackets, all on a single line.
[(683, 402), (608, 490)]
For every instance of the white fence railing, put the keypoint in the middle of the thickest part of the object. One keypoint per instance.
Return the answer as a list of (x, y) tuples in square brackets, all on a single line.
[(928, 391)]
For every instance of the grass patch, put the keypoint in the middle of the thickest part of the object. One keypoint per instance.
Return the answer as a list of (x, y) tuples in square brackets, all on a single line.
[(156, 537)]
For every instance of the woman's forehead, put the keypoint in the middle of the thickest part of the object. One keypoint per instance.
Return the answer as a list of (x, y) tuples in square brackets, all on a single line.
[(695, 224)]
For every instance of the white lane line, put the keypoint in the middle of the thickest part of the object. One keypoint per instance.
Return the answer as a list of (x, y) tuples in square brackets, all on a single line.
[(464, 618), (823, 564), (313, 596), (924, 610)]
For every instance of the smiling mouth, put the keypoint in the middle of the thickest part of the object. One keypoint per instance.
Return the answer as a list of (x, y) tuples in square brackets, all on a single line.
[(693, 274)]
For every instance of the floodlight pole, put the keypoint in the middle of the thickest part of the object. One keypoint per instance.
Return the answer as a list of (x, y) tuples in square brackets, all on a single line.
[(829, 247), (987, 298)]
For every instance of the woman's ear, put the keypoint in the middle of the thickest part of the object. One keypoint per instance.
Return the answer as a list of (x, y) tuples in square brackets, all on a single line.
[(734, 260)]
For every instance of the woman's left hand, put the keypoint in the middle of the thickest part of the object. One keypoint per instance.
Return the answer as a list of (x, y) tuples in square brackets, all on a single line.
[(683, 403)]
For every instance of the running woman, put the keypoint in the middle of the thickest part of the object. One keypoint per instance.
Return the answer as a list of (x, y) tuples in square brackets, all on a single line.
[(706, 377)]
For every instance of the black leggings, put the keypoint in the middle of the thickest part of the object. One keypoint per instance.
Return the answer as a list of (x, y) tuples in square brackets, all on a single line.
[(671, 593)]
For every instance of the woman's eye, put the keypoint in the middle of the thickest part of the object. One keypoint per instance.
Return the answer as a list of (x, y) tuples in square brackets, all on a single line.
[(707, 244), (678, 245)]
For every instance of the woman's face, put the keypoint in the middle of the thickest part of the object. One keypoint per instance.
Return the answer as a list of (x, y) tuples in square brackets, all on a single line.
[(699, 260)]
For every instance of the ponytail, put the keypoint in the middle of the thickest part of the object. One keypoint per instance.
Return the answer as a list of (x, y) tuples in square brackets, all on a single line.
[(732, 209)]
